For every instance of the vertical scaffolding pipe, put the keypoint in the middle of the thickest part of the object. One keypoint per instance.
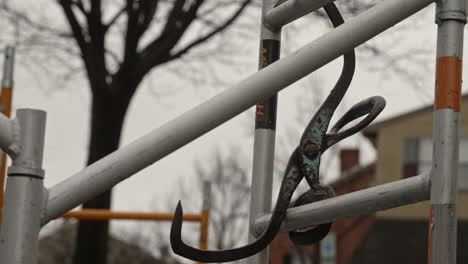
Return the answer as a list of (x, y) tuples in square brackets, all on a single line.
[(25, 195), (5, 108), (205, 216), (451, 19), (264, 141)]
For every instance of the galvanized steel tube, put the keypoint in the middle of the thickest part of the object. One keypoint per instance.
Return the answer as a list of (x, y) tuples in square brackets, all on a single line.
[(451, 19), (135, 156), (265, 134), (8, 66), (363, 202), (25, 194)]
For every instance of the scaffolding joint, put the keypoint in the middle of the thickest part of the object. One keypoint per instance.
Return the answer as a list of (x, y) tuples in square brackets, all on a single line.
[(10, 136), (450, 10), (458, 15), (28, 140), (270, 27)]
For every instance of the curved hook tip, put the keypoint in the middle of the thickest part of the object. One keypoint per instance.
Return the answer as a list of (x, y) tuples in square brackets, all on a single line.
[(176, 228)]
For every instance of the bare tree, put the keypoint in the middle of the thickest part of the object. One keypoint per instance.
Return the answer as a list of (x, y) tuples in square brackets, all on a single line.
[(149, 33)]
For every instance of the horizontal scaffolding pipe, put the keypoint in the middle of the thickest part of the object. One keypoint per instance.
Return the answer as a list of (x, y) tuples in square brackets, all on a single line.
[(364, 202), (291, 10), (121, 164), (104, 215)]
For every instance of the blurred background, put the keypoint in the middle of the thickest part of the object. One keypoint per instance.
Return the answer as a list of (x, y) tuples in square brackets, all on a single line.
[(108, 72)]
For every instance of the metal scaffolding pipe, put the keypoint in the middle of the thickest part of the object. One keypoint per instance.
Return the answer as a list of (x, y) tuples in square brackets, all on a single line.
[(291, 10), (25, 193), (8, 66), (451, 19), (126, 161), (368, 201), (264, 138)]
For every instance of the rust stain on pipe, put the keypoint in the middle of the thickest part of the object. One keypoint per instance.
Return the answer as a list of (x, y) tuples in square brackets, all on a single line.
[(448, 83)]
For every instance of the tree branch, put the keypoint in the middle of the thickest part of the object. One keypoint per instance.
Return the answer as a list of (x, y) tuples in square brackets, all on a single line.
[(75, 26), (19, 16), (157, 52), (95, 17), (212, 33), (131, 35), (79, 4), (113, 55), (147, 11), (116, 17)]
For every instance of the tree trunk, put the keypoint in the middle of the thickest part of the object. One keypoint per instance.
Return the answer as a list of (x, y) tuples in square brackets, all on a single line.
[(107, 117)]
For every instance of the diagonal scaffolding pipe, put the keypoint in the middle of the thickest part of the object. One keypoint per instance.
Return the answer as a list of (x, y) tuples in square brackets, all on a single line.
[(291, 10), (121, 164)]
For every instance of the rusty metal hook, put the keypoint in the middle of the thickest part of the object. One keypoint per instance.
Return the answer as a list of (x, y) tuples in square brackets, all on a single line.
[(370, 107), (288, 185), (303, 163)]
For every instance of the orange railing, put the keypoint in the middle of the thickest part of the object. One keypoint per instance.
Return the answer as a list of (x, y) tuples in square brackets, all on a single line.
[(104, 215)]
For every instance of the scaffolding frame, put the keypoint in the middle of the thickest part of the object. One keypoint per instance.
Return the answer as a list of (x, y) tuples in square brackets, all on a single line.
[(203, 218), (28, 205)]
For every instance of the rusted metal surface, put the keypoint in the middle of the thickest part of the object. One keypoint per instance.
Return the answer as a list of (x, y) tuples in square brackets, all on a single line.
[(448, 83)]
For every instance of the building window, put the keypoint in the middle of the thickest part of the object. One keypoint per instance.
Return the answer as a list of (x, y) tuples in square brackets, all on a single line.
[(418, 159)]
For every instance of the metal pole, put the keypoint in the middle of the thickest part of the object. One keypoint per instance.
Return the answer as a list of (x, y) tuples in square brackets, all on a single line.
[(451, 19), (8, 67), (135, 156), (367, 201), (5, 105), (25, 194), (105, 215), (264, 140), (291, 10)]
